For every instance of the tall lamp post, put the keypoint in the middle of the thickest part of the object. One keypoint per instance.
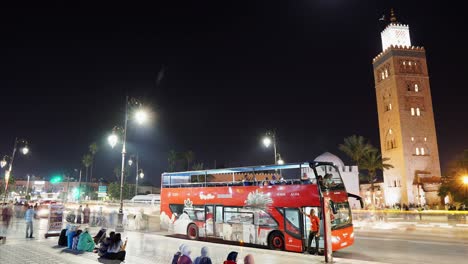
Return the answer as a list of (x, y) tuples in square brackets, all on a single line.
[(141, 117), (268, 140), (4, 162), (138, 172)]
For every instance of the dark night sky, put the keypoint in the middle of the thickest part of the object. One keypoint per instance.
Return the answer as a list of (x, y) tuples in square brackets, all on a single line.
[(232, 71)]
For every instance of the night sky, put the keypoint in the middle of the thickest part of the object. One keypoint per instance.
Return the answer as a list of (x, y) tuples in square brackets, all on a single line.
[(217, 75)]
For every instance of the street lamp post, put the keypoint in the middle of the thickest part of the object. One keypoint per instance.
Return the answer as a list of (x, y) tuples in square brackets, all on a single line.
[(3, 163), (137, 171), (270, 138), (140, 116)]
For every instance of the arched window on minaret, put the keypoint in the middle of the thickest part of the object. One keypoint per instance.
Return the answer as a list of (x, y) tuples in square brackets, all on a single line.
[(390, 141)]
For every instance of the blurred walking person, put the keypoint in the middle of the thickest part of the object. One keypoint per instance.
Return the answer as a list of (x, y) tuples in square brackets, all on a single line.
[(86, 213), (78, 214), (29, 216)]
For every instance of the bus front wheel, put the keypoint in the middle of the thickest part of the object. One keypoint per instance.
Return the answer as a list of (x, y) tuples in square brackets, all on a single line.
[(276, 241), (192, 231)]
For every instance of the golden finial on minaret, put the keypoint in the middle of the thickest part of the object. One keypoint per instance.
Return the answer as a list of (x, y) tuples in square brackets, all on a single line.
[(392, 16)]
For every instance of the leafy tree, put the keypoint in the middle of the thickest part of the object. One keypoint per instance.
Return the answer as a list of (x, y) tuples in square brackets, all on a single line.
[(197, 166), (453, 183), (114, 191), (172, 160), (372, 162), (356, 147)]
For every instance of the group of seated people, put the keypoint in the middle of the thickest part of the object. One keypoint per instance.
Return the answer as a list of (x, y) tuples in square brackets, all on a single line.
[(109, 247), (252, 181)]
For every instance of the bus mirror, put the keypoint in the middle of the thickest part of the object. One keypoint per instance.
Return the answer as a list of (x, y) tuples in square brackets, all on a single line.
[(357, 197)]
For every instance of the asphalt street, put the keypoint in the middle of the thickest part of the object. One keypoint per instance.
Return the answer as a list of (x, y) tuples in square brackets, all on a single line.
[(407, 246)]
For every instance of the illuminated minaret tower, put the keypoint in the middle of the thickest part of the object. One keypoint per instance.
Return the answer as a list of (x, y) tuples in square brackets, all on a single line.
[(406, 119)]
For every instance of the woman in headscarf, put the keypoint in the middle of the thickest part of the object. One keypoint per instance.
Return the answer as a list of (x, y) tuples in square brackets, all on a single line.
[(86, 242), (185, 256), (231, 258), (177, 254), (204, 258)]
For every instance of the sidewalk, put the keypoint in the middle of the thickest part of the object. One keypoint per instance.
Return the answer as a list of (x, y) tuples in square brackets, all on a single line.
[(142, 248)]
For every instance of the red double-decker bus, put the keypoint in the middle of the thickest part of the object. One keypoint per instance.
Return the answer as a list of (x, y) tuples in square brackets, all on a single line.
[(259, 205)]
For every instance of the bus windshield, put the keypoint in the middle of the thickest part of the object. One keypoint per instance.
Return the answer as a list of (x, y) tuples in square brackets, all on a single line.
[(329, 178), (342, 218)]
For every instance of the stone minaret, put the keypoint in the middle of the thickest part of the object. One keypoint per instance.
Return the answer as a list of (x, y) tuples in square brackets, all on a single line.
[(406, 119)]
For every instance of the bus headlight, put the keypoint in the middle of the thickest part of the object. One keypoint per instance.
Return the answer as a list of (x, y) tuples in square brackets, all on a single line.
[(335, 239)]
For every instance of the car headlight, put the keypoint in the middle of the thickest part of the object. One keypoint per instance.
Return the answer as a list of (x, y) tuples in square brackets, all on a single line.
[(42, 212)]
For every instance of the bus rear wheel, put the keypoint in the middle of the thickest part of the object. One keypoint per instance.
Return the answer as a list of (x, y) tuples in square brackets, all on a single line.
[(276, 241), (192, 231)]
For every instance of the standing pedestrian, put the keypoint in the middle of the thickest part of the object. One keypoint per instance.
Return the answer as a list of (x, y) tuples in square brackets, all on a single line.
[(86, 213), (78, 214), (314, 232), (29, 216)]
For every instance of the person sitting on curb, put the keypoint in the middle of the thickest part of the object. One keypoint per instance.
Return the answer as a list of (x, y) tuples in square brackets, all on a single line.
[(116, 248), (76, 238), (86, 242)]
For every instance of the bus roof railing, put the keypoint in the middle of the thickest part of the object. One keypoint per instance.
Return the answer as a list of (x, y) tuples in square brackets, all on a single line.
[(247, 169)]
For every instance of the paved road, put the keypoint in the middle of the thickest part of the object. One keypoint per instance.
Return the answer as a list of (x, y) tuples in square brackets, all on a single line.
[(409, 246)]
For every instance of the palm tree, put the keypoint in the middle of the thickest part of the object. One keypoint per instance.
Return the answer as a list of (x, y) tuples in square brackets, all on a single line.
[(87, 161), (189, 156), (356, 148), (197, 166), (93, 149), (172, 159), (373, 161)]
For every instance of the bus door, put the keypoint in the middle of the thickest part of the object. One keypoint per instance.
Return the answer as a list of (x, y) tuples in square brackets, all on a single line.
[(306, 225), (294, 229), (209, 220)]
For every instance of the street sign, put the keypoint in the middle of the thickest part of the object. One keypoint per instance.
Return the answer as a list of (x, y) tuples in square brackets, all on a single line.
[(54, 225), (102, 191)]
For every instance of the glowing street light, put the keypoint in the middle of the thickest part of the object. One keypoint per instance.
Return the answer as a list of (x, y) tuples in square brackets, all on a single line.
[(465, 179), (142, 175), (3, 163), (25, 150), (267, 141), (113, 139), (130, 162), (280, 161), (141, 116), (270, 138)]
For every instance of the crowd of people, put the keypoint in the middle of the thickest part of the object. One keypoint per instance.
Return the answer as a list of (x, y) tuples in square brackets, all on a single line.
[(182, 256), (106, 246)]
